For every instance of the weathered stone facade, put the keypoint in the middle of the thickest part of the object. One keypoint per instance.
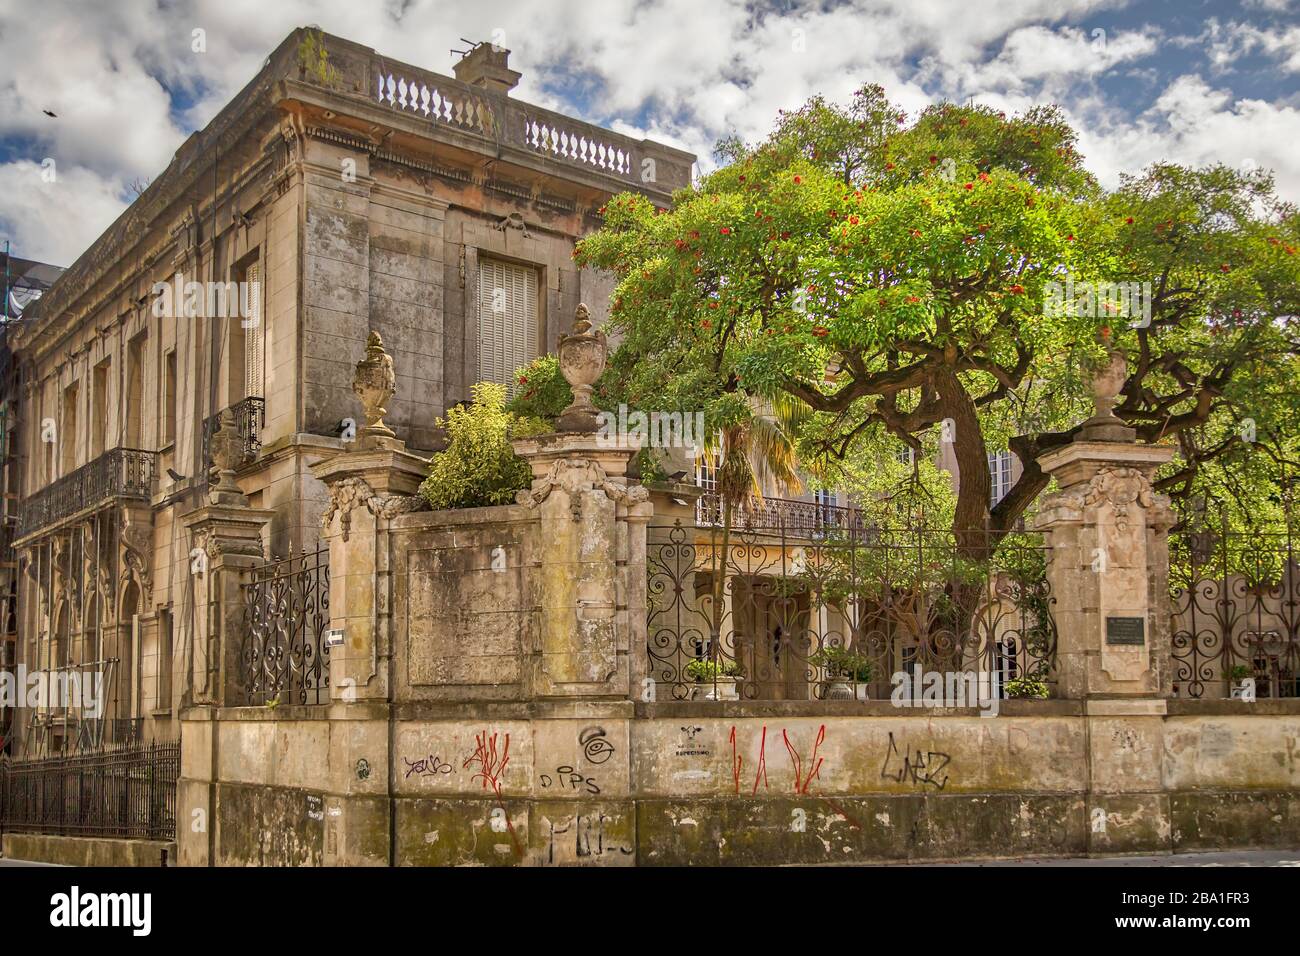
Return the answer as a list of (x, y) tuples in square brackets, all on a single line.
[(363, 196)]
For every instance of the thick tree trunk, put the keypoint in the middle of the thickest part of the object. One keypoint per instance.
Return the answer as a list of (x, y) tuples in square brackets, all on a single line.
[(962, 427)]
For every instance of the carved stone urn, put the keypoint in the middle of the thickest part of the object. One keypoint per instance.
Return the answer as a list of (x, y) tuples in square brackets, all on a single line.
[(1107, 382), (582, 360), (375, 383), (226, 449)]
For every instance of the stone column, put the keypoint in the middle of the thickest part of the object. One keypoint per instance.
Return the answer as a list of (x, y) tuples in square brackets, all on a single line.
[(1106, 532), (374, 481), (592, 574)]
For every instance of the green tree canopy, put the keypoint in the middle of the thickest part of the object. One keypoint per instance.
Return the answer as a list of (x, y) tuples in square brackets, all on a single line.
[(901, 279)]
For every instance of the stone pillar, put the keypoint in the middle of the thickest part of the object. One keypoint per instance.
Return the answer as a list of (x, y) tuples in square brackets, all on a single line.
[(225, 548), (225, 538), (1106, 532), (367, 486), (591, 588), (374, 481), (592, 574)]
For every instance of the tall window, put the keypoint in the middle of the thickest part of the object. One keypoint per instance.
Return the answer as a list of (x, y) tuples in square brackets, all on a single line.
[(164, 675), (706, 472), (169, 397), (135, 392), (827, 502), (99, 409), (1000, 475), (507, 320), (254, 333), (67, 435)]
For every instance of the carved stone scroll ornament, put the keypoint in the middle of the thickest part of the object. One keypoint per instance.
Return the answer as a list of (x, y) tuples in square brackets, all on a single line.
[(351, 492), (574, 475), (514, 221), (137, 545), (1118, 486)]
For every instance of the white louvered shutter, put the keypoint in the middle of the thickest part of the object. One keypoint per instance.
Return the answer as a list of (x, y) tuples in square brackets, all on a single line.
[(254, 333), (507, 320)]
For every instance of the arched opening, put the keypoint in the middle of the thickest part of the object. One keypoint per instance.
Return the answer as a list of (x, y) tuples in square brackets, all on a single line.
[(121, 693)]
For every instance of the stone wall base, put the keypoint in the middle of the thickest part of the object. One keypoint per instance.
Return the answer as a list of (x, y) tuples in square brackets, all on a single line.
[(88, 851), (757, 831)]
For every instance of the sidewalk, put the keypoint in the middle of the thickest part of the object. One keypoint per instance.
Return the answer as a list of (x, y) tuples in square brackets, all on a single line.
[(1221, 858)]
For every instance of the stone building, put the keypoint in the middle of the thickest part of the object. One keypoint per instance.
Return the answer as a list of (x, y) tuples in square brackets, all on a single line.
[(339, 193), (25, 281)]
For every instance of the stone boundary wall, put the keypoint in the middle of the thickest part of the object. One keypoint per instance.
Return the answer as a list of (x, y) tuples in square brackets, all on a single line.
[(686, 784)]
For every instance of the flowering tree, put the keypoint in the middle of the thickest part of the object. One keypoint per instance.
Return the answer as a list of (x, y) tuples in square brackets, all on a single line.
[(901, 279)]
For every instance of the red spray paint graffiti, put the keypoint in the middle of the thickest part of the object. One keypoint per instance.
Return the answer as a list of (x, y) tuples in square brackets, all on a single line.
[(491, 766), (737, 761), (801, 783)]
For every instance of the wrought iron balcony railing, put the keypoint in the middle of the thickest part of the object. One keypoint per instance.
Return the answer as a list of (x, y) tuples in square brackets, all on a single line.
[(120, 473), (250, 419), (809, 518)]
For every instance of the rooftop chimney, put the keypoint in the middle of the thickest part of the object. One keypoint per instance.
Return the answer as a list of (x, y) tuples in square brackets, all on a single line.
[(487, 66)]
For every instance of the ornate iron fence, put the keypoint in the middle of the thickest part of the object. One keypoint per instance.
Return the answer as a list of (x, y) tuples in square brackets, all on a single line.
[(775, 613), (283, 656), (1236, 611), (127, 792)]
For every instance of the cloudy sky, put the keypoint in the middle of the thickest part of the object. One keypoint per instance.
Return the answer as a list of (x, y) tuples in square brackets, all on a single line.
[(1193, 81)]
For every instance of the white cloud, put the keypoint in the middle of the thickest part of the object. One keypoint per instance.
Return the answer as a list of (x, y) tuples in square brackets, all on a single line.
[(1194, 123), (682, 71)]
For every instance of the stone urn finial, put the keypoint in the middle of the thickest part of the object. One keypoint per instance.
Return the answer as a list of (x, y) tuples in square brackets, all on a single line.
[(582, 360), (1107, 382), (226, 449), (375, 383)]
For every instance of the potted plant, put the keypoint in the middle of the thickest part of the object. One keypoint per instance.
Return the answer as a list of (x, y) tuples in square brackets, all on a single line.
[(1242, 682), (1026, 688), (847, 673), (716, 678)]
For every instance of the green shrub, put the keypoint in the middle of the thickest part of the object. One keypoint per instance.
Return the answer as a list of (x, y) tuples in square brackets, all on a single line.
[(543, 392), (703, 670), (1027, 688), (843, 664), (479, 467)]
